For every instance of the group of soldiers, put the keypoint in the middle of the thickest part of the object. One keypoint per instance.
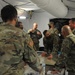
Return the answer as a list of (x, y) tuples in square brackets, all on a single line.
[(18, 47), (66, 48)]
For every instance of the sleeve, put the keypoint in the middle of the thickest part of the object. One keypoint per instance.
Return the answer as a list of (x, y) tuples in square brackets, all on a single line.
[(56, 43), (65, 49), (73, 31), (30, 30), (56, 31), (39, 35), (45, 44), (30, 56)]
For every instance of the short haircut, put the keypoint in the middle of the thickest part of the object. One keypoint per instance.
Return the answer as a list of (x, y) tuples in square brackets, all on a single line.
[(44, 32), (52, 22), (8, 12)]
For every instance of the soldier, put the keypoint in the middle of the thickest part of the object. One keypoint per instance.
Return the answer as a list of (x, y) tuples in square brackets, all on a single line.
[(16, 47), (35, 34), (56, 35), (67, 58), (72, 24), (51, 42), (52, 28)]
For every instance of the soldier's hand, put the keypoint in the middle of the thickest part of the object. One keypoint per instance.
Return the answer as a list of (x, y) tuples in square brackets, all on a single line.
[(38, 33), (54, 72), (50, 56), (30, 30), (44, 54)]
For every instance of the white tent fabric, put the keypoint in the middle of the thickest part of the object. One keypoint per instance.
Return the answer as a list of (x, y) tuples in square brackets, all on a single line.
[(69, 3), (54, 7)]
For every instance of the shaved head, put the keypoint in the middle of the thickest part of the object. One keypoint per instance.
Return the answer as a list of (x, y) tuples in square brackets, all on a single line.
[(35, 25), (66, 30)]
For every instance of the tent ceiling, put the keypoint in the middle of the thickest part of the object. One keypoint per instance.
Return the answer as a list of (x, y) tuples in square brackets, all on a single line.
[(22, 4), (29, 5), (54, 7), (70, 4)]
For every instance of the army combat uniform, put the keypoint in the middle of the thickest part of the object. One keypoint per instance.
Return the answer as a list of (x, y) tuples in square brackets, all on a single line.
[(53, 30), (51, 43), (67, 57), (73, 31), (35, 37), (15, 49)]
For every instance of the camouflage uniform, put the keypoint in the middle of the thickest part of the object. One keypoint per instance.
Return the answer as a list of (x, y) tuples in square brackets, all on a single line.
[(67, 57), (57, 39), (15, 50), (53, 30), (51, 43), (73, 31), (35, 37)]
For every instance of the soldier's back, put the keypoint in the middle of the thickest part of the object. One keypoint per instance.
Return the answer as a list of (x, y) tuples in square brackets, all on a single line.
[(71, 55), (11, 50)]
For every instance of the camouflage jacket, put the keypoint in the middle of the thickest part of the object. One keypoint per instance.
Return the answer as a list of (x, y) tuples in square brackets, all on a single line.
[(35, 37), (73, 31), (53, 31), (51, 43), (15, 49), (67, 57)]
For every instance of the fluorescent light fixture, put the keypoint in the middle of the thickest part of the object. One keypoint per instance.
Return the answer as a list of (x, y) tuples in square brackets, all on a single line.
[(22, 17)]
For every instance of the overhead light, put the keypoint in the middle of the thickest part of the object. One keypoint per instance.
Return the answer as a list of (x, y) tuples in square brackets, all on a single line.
[(22, 17)]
